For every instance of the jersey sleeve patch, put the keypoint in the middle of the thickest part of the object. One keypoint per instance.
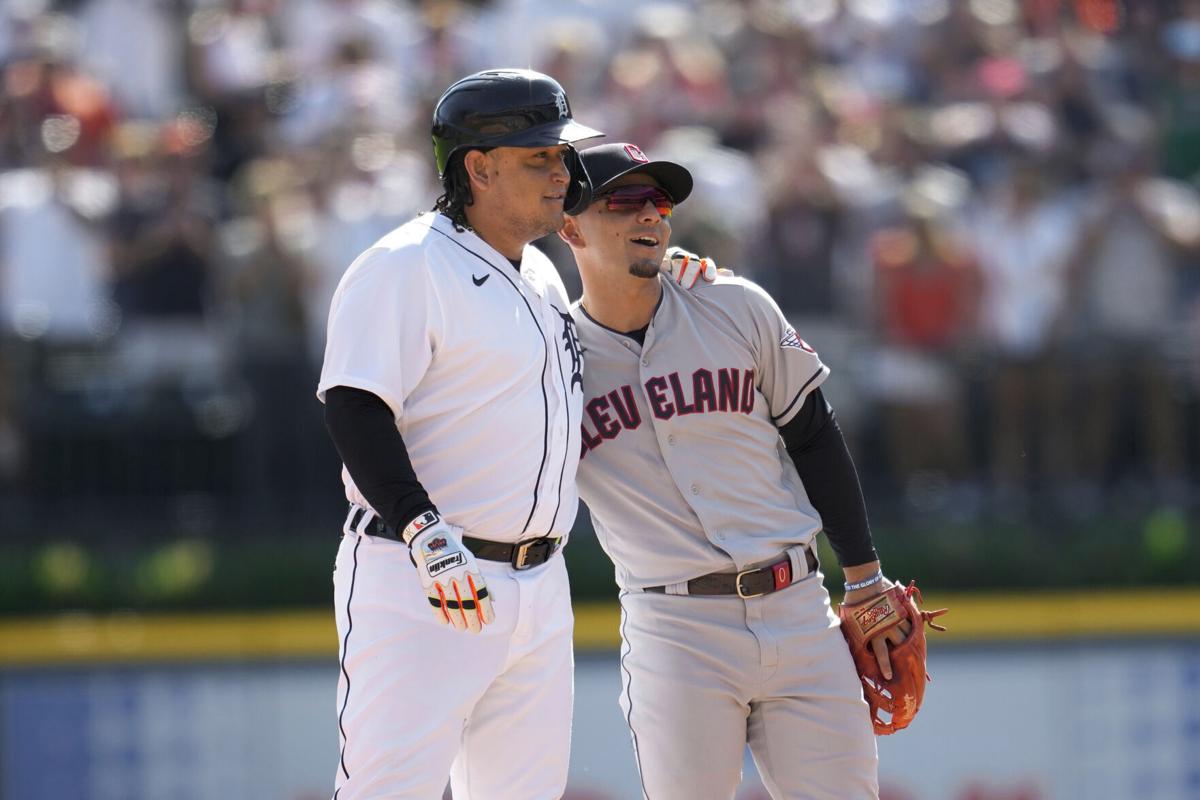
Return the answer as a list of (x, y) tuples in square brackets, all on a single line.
[(793, 340)]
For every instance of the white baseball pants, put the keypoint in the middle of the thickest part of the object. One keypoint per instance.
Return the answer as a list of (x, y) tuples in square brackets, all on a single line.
[(705, 675), (418, 701)]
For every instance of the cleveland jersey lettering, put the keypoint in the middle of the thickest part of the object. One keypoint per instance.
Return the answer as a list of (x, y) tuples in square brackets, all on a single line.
[(725, 390), (700, 400)]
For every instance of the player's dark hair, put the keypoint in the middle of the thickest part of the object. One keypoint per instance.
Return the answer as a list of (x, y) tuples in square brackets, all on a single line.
[(456, 191)]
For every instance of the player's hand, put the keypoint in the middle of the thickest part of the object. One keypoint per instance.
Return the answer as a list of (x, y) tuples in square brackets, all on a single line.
[(685, 267), (893, 636), (456, 590)]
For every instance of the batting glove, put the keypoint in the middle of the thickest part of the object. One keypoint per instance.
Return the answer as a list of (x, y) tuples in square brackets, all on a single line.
[(451, 578), (685, 267)]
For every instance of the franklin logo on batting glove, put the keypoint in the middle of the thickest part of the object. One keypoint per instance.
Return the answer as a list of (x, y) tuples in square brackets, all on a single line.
[(439, 565), (449, 575)]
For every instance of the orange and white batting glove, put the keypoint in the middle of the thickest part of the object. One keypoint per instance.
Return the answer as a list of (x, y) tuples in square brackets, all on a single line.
[(685, 267), (451, 578)]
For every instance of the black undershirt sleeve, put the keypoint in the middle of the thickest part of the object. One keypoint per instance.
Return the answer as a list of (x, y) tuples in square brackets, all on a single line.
[(364, 432), (815, 443)]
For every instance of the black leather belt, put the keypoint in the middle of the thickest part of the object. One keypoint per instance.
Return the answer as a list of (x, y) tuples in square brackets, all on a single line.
[(748, 582), (522, 555)]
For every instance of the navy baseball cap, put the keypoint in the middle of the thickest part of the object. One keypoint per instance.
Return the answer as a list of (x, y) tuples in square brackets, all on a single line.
[(608, 162)]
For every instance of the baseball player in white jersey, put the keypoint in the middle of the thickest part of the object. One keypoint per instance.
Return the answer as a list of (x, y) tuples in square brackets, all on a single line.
[(710, 463), (452, 384)]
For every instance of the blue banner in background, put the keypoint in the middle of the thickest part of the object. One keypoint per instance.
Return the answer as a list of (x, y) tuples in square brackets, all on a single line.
[(47, 723), (1094, 720), (169, 733)]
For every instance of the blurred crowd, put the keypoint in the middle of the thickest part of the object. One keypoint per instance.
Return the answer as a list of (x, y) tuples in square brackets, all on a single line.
[(984, 213)]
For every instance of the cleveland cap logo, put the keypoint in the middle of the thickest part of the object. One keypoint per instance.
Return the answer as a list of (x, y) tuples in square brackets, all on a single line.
[(636, 153)]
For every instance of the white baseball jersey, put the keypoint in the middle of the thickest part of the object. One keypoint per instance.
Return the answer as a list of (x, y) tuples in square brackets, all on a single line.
[(480, 365), (700, 404)]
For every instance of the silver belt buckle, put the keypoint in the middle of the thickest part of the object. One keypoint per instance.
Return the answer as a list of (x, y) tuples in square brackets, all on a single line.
[(738, 585), (521, 555)]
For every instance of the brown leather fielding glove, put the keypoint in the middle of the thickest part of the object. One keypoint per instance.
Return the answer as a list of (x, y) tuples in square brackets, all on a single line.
[(901, 696)]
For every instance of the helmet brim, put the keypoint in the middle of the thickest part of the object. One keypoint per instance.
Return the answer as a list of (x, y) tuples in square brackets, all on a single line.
[(564, 131)]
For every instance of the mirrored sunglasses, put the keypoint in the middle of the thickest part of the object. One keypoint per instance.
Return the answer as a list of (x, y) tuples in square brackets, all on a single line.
[(634, 196)]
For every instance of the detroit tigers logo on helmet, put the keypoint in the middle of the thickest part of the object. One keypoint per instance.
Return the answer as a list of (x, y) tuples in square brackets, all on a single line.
[(560, 102)]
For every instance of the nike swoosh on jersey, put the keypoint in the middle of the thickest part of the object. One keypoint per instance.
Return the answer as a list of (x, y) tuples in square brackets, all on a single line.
[(480, 281)]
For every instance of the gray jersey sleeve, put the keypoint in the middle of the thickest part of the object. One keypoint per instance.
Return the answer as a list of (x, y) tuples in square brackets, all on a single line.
[(788, 369)]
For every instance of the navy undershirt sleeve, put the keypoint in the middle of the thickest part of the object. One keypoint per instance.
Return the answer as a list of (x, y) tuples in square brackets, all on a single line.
[(364, 433), (815, 443)]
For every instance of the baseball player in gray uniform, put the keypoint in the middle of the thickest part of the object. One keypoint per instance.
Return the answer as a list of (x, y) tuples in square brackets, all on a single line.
[(710, 463)]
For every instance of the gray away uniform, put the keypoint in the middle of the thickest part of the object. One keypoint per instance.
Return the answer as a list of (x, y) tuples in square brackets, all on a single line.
[(685, 474)]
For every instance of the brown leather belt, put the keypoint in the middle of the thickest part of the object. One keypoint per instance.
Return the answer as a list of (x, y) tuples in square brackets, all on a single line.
[(748, 582), (522, 555)]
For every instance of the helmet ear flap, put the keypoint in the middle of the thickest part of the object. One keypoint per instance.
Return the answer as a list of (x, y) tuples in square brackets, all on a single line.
[(579, 192)]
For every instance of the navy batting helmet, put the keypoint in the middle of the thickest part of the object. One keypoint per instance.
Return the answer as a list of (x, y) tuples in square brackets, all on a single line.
[(508, 108)]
